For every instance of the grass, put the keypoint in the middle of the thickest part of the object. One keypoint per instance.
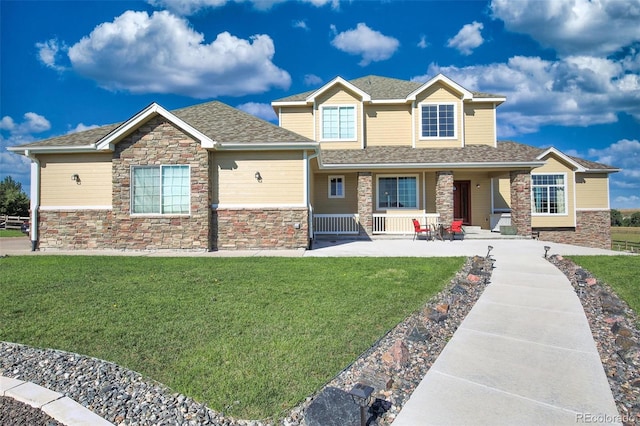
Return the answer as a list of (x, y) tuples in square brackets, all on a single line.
[(620, 272), (251, 337), (10, 233), (625, 233)]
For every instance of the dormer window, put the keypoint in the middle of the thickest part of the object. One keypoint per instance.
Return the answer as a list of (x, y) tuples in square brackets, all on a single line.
[(438, 121), (338, 123)]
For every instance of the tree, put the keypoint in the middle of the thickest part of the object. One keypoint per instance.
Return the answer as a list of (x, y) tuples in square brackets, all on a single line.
[(13, 200), (634, 220), (616, 217)]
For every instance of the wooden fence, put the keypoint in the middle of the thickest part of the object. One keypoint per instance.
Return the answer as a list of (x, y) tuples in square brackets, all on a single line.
[(631, 246), (12, 222)]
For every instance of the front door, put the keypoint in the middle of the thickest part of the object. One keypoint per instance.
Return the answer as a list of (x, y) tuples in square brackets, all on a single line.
[(462, 201)]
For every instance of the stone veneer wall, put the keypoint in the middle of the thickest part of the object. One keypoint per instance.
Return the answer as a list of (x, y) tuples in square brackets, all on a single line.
[(521, 201), (74, 229), (444, 196), (365, 203), (593, 230), (158, 142), (264, 228)]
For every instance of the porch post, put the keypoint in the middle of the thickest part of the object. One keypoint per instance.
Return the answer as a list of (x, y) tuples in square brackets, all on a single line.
[(365, 203), (444, 196), (521, 201)]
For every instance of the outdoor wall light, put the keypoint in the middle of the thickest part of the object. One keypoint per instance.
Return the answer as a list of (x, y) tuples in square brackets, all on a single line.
[(76, 178), (478, 185), (361, 395), (546, 250), (258, 177), (489, 248)]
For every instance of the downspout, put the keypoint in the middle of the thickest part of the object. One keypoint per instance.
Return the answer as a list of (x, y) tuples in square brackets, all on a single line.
[(35, 199), (307, 194)]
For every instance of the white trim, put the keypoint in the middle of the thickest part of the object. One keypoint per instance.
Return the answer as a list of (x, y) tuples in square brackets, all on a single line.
[(362, 134), (355, 122), (455, 121), (491, 165), (463, 142), (566, 196), (496, 100), (440, 78), (51, 149), (365, 97), (424, 190), (575, 200), (341, 177), (413, 124), (267, 146), (593, 209), (159, 166), (495, 124), (397, 175), (257, 206), (53, 208)]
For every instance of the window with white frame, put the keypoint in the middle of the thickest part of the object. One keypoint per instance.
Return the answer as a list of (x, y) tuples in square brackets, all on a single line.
[(438, 121), (548, 194), (397, 192), (339, 122), (160, 189), (336, 186)]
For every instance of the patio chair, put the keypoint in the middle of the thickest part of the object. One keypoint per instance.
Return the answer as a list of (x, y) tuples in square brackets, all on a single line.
[(419, 229), (455, 228)]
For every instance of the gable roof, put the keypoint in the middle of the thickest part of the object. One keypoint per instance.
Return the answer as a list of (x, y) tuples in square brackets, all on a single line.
[(388, 89), (219, 125), (506, 154)]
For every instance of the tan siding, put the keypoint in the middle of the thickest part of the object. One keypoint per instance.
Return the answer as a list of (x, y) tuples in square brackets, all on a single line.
[(325, 205), (479, 121), (282, 178), (388, 125), (592, 191), (555, 166), (438, 93), (298, 119), (502, 193), (480, 197), (58, 190), (430, 182), (339, 95)]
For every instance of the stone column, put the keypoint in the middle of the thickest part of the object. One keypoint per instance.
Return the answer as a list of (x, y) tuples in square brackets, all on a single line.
[(365, 203), (444, 196), (521, 201)]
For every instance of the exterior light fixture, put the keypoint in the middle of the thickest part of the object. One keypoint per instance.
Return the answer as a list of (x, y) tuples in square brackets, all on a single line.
[(258, 177), (76, 178), (361, 395), (478, 185), (546, 250), (489, 248)]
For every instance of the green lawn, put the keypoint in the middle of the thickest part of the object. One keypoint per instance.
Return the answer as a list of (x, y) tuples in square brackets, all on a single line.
[(9, 233), (620, 272), (266, 332)]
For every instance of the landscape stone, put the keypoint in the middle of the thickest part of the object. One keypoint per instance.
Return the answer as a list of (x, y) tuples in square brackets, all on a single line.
[(332, 407)]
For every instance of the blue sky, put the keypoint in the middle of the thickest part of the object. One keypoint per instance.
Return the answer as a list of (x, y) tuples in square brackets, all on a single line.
[(570, 69)]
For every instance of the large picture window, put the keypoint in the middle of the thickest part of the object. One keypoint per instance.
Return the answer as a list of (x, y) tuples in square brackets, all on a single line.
[(438, 121), (548, 193), (397, 192), (339, 122), (160, 190)]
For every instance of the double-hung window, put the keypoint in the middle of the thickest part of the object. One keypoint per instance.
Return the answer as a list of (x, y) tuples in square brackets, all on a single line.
[(396, 192), (549, 194), (339, 122), (336, 186), (438, 121), (160, 190)]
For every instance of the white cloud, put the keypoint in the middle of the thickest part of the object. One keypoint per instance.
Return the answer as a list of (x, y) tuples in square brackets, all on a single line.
[(49, 53), (467, 39), (82, 127), (264, 111), (302, 24), (190, 7), (161, 53), (423, 44), (573, 91), (624, 154), (372, 45), (312, 80), (573, 27)]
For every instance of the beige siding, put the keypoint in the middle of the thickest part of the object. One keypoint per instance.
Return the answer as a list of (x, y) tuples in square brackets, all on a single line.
[(58, 190), (592, 191), (388, 125), (325, 205), (568, 220), (298, 119), (235, 184), (438, 93), (502, 193), (479, 124), (339, 95)]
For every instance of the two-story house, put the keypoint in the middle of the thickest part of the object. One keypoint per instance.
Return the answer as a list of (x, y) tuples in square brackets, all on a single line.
[(359, 157)]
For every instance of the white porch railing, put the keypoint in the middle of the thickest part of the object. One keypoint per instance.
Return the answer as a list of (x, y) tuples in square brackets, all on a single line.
[(401, 223), (336, 224)]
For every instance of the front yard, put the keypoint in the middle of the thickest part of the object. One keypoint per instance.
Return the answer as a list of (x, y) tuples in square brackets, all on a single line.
[(248, 336)]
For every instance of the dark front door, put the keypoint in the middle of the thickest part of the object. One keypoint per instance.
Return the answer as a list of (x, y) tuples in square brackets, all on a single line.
[(462, 201)]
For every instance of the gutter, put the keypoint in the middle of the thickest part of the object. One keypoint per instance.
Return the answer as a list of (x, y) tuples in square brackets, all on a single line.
[(492, 165), (35, 198), (284, 146)]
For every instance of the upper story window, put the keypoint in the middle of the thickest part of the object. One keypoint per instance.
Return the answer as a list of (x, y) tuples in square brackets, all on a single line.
[(160, 190), (438, 121), (336, 186), (548, 193), (397, 192), (339, 122)]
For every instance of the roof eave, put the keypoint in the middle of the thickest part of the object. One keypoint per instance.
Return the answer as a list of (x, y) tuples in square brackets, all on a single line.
[(477, 165), (262, 146), (23, 150)]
